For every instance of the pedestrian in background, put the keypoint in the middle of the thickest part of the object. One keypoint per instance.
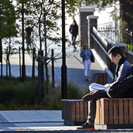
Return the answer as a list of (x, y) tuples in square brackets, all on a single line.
[(28, 31), (74, 31), (86, 57)]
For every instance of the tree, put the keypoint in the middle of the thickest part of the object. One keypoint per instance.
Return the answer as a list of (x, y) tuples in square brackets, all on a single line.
[(7, 24), (43, 16), (21, 10), (126, 17)]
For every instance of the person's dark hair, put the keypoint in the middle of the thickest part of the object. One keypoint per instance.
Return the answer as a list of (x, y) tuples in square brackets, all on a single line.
[(85, 46), (115, 50), (74, 21)]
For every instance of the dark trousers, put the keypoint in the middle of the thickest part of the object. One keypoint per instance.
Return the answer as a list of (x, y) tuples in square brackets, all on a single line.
[(92, 106), (28, 41), (74, 40)]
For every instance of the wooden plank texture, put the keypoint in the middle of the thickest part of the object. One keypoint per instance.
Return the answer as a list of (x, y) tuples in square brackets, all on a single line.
[(86, 105), (121, 113), (111, 109), (106, 111), (131, 111), (126, 111), (81, 112), (97, 119), (114, 111), (73, 111), (101, 111), (77, 112)]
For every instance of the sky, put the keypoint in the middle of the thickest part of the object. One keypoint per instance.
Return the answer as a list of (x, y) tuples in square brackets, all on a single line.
[(104, 15)]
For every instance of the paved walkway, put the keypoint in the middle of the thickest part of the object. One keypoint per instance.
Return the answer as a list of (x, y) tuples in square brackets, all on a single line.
[(46, 121), (32, 120)]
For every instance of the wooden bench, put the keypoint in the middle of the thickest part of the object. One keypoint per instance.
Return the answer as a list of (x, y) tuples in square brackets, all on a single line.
[(114, 113), (100, 78), (75, 112)]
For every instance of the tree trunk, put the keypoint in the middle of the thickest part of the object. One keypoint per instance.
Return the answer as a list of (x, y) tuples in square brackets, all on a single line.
[(123, 24), (9, 65), (126, 9), (40, 39), (1, 57)]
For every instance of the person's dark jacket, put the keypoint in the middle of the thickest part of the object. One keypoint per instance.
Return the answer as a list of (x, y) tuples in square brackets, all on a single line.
[(123, 70), (123, 88), (28, 31), (74, 29)]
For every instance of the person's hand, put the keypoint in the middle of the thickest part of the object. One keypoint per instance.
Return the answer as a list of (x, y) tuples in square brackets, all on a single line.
[(131, 76), (107, 85)]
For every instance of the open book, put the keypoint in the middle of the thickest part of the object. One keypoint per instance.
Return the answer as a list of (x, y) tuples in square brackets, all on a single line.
[(95, 86)]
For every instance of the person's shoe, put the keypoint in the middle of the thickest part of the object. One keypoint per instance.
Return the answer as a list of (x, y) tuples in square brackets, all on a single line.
[(86, 78), (86, 126), (90, 96), (74, 50)]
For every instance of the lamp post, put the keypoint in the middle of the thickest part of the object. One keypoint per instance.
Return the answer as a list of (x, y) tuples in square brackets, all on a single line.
[(63, 67)]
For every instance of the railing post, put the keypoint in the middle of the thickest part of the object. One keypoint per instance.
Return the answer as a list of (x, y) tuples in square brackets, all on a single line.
[(83, 24), (42, 70), (39, 78), (33, 65), (52, 58), (92, 22), (20, 63)]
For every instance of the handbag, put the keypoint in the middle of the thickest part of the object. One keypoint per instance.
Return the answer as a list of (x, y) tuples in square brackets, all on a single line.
[(92, 57)]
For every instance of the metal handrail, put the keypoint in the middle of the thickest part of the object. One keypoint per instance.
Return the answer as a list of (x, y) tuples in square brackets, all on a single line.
[(99, 47)]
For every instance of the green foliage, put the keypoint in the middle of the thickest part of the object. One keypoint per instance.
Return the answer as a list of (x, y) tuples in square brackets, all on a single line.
[(6, 93), (129, 46), (72, 7), (34, 12), (8, 19), (26, 93), (74, 92), (15, 94)]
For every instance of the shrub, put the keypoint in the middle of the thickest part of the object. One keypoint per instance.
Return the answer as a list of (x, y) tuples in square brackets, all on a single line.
[(15, 94), (26, 93), (130, 47), (73, 91), (6, 90)]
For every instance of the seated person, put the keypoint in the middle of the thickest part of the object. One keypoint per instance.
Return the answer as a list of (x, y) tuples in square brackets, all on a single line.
[(123, 70)]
